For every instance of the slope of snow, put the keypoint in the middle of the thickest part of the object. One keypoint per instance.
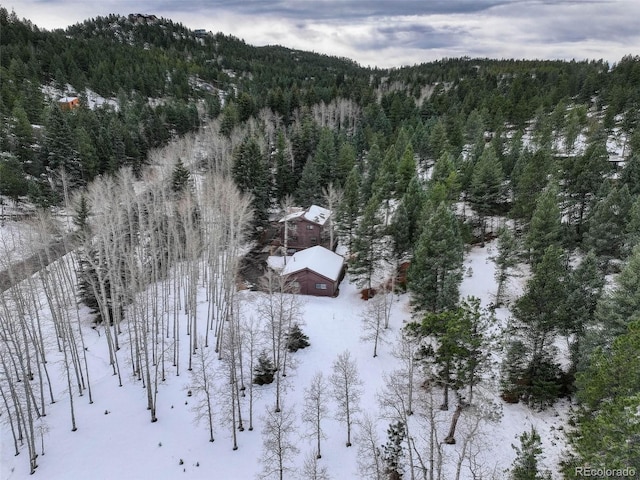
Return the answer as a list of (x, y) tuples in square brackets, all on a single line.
[(115, 438)]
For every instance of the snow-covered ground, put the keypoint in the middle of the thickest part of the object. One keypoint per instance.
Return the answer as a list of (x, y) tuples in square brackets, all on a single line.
[(115, 438)]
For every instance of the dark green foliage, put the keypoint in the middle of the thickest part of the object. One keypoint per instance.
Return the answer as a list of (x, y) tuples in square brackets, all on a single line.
[(285, 181), (606, 225), (296, 339), (535, 377), (393, 450), (620, 306), (546, 228), (13, 183), (436, 269), (250, 174), (263, 372), (457, 354), (349, 208), (530, 176), (526, 466), (583, 176), (180, 178), (506, 258), (367, 245), (607, 432), (486, 187)]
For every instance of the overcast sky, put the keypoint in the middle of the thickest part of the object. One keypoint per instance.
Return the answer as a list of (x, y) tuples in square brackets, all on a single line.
[(389, 33)]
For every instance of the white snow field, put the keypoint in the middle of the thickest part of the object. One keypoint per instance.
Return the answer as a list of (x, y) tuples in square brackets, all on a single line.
[(116, 440)]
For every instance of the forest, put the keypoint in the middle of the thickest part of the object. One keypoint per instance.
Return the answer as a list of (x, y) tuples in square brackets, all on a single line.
[(203, 142)]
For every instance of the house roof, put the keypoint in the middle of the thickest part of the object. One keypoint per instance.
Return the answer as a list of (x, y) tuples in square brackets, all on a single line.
[(317, 259), (67, 99), (313, 214)]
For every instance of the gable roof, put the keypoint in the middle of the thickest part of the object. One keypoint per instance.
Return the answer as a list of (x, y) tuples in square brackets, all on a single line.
[(313, 214), (317, 259)]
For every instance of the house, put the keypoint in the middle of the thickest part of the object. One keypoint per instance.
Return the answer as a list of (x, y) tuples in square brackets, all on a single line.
[(306, 228), (68, 103), (315, 271)]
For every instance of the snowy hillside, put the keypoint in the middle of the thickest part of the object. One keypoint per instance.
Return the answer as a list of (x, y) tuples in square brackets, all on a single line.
[(114, 438)]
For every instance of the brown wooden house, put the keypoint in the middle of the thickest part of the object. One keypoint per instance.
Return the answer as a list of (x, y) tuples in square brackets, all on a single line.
[(306, 228), (68, 103), (315, 271)]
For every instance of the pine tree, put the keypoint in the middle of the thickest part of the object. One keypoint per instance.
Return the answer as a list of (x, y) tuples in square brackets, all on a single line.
[(606, 225), (583, 176), (607, 425), (264, 371), (59, 149), (310, 185), (296, 339), (538, 312), (406, 171), (436, 269), (250, 175), (180, 177), (349, 208), (546, 228), (528, 455), (486, 187), (392, 451), (284, 177), (530, 176), (632, 230), (367, 245), (504, 260)]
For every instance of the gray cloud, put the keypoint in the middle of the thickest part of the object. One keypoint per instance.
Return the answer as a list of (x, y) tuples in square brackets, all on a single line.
[(391, 32)]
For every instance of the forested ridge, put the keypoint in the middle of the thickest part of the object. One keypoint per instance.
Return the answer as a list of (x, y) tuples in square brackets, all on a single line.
[(421, 164)]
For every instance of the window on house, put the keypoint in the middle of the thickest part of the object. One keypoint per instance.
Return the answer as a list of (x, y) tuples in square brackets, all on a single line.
[(309, 227), (293, 237), (314, 239), (321, 286)]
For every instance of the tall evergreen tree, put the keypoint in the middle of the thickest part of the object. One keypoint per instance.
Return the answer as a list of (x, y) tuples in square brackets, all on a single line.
[(406, 224), (349, 208), (436, 269), (546, 227), (606, 225), (486, 187), (250, 174), (537, 313), (367, 245), (583, 176), (526, 466)]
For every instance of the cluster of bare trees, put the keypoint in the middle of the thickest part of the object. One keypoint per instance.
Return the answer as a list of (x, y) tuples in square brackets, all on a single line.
[(142, 253), (39, 321)]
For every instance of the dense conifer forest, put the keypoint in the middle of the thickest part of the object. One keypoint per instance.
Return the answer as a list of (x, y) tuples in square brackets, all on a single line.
[(420, 164)]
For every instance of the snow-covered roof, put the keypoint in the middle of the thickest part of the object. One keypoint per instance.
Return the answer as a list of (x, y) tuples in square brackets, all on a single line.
[(314, 214), (67, 99), (317, 259)]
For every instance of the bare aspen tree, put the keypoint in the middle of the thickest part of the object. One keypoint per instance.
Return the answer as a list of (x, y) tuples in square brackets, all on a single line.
[(347, 389), (315, 409), (289, 229), (373, 320), (406, 351), (202, 387), (394, 404), (279, 309), (333, 198), (370, 463), (278, 446), (312, 470), (430, 423), (252, 344)]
